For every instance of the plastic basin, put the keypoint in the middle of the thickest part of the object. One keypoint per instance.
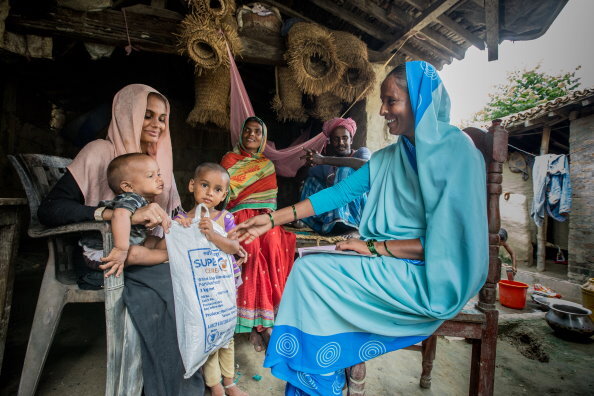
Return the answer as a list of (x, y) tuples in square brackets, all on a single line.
[(512, 294)]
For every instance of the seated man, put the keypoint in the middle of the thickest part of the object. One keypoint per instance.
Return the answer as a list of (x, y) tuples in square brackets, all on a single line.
[(335, 164)]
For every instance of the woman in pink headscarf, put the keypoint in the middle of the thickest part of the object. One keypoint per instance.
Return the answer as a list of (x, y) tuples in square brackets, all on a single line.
[(140, 123), (336, 162)]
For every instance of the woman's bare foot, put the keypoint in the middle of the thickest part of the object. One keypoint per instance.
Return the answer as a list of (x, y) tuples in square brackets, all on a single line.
[(356, 379), (231, 389), (217, 390), (257, 340), (266, 336)]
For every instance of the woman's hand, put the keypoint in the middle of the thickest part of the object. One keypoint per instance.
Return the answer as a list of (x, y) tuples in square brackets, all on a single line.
[(356, 245), (312, 157), (151, 216), (114, 262), (251, 228)]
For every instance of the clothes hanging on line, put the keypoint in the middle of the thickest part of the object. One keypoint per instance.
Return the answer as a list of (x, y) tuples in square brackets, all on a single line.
[(552, 188)]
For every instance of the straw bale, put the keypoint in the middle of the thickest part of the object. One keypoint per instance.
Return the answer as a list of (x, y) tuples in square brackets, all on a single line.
[(327, 106), (211, 103), (287, 100), (312, 57), (213, 9), (359, 75)]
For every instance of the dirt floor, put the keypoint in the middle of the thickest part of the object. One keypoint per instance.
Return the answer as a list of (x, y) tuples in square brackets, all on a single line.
[(530, 358)]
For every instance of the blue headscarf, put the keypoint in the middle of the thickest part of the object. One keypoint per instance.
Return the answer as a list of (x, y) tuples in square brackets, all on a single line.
[(440, 199)]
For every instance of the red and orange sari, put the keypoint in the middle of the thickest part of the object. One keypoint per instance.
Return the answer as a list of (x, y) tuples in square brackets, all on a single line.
[(264, 274)]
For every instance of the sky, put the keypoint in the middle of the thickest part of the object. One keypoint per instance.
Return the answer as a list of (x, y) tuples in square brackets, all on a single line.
[(569, 42)]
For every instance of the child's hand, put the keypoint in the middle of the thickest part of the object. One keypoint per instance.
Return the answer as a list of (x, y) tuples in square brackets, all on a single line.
[(243, 256), (205, 226), (114, 262), (184, 221)]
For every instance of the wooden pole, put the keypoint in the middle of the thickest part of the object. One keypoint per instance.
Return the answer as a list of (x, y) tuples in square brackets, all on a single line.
[(541, 238)]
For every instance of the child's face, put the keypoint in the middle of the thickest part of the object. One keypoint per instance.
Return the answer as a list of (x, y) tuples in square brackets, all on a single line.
[(143, 178), (209, 187)]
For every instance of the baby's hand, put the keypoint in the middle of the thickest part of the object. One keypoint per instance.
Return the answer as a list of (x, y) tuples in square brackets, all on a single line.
[(184, 221), (114, 262), (205, 226)]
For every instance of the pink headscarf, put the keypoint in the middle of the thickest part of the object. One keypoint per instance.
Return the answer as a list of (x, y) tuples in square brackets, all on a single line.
[(89, 168), (347, 123)]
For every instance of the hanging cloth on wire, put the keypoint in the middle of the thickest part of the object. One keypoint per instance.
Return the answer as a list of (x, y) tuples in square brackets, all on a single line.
[(286, 161), (552, 188)]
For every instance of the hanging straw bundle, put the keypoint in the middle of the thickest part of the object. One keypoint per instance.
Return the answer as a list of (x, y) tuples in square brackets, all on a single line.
[(312, 57), (287, 100), (359, 75), (213, 9), (211, 98), (327, 106), (204, 41)]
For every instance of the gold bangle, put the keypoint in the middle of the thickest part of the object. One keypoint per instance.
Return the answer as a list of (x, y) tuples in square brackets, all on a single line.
[(294, 213), (271, 219)]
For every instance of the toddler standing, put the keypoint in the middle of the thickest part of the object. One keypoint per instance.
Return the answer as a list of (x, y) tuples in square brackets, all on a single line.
[(210, 187)]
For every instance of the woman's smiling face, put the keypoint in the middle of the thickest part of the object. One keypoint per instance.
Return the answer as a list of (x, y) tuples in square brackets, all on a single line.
[(396, 109), (154, 121), (251, 136)]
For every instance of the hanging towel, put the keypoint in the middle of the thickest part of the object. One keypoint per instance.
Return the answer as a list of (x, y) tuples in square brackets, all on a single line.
[(552, 188)]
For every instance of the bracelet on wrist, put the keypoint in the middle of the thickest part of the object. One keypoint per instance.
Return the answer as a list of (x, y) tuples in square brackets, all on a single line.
[(388, 250), (294, 213), (98, 214), (371, 246), (271, 219)]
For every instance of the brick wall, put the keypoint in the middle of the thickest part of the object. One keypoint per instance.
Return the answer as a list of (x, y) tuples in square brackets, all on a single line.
[(581, 227)]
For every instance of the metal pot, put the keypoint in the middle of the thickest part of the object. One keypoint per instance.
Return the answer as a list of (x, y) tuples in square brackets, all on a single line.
[(570, 321)]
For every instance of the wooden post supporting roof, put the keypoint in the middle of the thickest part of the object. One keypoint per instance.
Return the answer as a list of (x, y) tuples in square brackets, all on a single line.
[(541, 238), (492, 22)]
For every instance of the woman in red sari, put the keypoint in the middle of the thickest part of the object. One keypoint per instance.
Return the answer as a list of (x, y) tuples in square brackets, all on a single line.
[(270, 257)]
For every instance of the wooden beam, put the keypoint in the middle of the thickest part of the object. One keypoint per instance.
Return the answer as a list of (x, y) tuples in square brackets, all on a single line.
[(438, 40), (442, 43), (428, 16), (492, 23), (456, 28), (353, 19), (148, 33), (289, 11)]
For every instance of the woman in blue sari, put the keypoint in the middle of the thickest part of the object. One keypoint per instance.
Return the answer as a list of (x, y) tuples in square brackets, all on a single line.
[(425, 223)]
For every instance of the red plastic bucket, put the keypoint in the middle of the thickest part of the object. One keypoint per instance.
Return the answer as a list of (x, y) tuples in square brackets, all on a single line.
[(512, 294)]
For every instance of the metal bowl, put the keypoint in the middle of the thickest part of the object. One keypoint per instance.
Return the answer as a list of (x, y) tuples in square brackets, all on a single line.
[(571, 322)]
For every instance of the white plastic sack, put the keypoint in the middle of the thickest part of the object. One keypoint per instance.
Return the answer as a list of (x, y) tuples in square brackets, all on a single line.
[(204, 292)]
